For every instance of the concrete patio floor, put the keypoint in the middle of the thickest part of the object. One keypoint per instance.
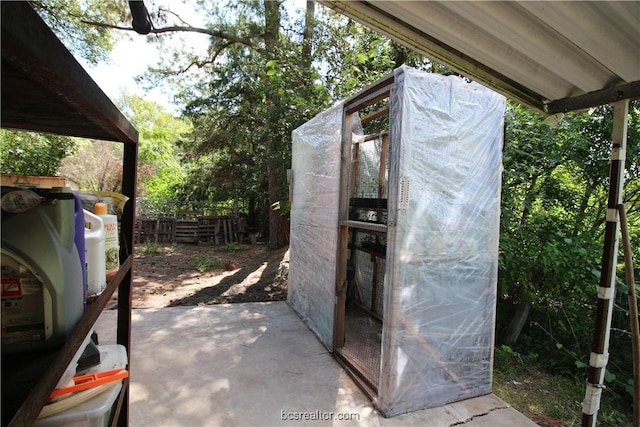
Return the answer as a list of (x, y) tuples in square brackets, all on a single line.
[(257, 364)]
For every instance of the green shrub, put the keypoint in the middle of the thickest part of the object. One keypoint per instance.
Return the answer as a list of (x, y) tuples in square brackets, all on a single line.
[(150, 248), (234, 247), (204, 263)]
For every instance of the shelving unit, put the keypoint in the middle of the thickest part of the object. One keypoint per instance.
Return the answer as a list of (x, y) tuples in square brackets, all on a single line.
[(45, 89)]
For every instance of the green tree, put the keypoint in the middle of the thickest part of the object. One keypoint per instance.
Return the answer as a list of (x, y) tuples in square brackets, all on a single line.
[(71, 21), (275, 73), (243, 116), (160, 168), (30, 153), (97, 166), (350, 55), (554, 198), (268, 69)]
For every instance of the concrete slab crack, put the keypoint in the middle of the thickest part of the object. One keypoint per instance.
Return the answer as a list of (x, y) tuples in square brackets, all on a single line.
[(468, 420)]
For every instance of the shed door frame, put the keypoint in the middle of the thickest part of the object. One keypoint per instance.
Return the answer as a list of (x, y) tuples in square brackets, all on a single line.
[(378, 91)]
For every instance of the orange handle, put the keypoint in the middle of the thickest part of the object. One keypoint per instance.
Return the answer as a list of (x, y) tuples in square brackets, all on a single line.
[(84, 382)]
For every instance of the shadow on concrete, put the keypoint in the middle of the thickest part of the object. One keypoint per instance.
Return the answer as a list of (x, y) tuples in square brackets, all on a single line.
[(258, 364)]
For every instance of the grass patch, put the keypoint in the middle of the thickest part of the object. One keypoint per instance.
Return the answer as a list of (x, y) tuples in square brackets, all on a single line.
[(234, 247), (150, 248), (542, 396), (204, 263)]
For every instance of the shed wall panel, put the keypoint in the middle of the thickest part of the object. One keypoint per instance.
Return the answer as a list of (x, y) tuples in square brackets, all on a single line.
[(314, 221)]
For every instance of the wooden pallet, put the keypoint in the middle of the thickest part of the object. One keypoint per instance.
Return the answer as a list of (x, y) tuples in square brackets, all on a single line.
[(186, 231), (217, 230), (220, 229), (154, 230)]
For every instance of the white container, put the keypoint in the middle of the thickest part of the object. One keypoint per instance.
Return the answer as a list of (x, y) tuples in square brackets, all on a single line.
[(111, 357), (42, 277), (94, 249), (97, 411), (111, 245)]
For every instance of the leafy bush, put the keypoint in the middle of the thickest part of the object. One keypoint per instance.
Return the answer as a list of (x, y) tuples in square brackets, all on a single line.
[(150, 248), (234, 247), (552, 230), (204, 263), (520, 380)]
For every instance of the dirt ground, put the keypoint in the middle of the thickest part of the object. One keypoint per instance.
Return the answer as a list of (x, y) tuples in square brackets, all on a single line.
[(190, 274)]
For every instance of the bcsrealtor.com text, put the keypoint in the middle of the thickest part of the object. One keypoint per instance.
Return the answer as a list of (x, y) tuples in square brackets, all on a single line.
[(318, 416)]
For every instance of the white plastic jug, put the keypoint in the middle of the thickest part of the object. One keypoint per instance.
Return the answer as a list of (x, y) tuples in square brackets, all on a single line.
[(111, 243), (42, 278), (94, 241)]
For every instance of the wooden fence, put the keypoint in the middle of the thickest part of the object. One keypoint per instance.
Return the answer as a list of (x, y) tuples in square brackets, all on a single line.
[(215, 230)]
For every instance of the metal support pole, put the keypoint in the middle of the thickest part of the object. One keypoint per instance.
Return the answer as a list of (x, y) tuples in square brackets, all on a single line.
[(129, 189), (606, 289)]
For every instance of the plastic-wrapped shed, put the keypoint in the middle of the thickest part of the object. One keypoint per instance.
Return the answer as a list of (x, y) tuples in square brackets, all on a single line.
[(394, 236)]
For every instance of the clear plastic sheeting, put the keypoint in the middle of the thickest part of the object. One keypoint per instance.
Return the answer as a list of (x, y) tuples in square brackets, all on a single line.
[(368, 164), (446, 154), (314, 221), (438, 294)]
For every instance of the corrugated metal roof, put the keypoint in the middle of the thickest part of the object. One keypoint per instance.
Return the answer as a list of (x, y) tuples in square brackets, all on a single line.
[(551, 55)]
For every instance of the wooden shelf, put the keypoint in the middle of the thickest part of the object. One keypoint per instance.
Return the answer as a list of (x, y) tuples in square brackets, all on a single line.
[(28, 412), (366, 226), (369, 204), (45, 89)]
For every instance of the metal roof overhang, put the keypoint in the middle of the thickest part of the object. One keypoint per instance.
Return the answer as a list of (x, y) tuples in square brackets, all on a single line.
[(554, 56), (45, 89)]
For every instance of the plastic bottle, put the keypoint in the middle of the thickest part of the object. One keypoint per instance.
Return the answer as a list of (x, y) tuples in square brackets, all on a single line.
[(111, 244), (94, 243), (42, 278)]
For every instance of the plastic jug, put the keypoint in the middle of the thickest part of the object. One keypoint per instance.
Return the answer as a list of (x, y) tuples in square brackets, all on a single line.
[(94, 241), (112, 245), (42, 277)]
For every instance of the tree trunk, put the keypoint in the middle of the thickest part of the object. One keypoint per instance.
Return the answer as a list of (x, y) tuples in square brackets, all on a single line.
[(307, 43), (277, 223), (518, 321), (252, 221), (528, 199), (522, 310), (582, 210)]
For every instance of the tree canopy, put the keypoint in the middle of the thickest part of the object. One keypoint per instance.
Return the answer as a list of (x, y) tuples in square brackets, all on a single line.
[(31, 153)]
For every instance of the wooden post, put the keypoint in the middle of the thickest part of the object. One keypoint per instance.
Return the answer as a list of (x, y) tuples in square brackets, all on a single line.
[(343, 235), (156, 230), (384, 153), (374, 285), (125, 295), (356, 158), (607, 286)]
